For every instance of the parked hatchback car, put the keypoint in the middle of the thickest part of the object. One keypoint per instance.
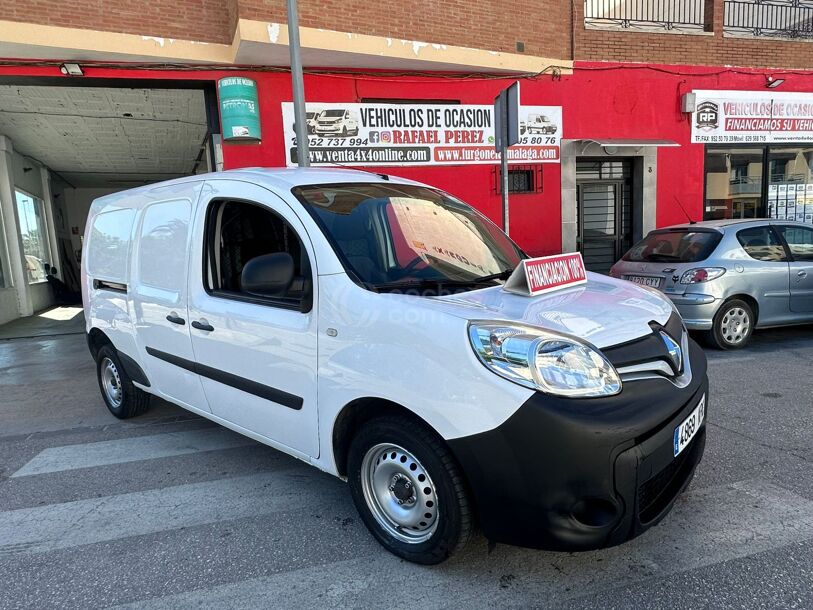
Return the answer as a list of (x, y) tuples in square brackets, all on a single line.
[(728, 277), (359, 323)]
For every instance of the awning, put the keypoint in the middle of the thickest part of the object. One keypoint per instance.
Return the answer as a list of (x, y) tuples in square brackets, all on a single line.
[(636, 143)]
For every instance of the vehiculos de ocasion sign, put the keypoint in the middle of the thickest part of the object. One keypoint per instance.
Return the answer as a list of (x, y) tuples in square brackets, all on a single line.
[(752, 116), (538, 275), (419, 134)]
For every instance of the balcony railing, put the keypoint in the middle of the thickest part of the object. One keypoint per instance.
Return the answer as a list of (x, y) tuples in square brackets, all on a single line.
[(685, 16), (771, 18)]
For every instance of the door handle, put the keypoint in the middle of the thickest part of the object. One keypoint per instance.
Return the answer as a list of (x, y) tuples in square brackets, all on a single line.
[(202, 326), (802, 274), (176, 319)]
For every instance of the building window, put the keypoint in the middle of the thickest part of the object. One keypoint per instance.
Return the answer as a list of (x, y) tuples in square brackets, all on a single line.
[(34, 235), (759, 181), (521, 179)]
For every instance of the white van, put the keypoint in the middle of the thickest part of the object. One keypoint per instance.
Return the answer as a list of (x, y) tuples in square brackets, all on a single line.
[(360, 323)]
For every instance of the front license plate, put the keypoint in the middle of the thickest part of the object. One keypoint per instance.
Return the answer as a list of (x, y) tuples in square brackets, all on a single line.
[(685, 432), (645, 280)]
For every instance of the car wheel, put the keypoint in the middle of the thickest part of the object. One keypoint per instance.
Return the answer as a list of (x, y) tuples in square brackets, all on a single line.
[(732, 326), (409, 490), (120, 395)]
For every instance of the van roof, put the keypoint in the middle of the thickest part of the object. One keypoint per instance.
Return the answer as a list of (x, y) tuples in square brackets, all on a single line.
[(281, 178)]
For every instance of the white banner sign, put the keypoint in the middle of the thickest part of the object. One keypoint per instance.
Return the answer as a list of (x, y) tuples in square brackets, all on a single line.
[(419, 134), (751, 117)]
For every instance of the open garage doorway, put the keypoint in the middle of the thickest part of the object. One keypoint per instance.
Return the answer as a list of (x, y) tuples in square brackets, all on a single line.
[(65, 143)]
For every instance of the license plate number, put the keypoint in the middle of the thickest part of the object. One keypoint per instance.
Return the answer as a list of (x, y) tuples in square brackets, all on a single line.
[(645, 280), (686, 431)]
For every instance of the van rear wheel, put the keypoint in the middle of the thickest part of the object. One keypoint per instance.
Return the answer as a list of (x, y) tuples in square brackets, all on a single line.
[(122, 398), (409, 490)]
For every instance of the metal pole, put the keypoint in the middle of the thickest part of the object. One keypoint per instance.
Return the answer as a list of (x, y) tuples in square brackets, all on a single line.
[(298, 86), (504, 164)]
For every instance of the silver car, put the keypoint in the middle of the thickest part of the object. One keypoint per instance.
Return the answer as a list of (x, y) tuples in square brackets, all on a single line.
[(727, 277)]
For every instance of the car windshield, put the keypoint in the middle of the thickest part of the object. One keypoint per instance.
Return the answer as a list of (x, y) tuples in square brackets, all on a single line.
[(674, 247), (332, 113), (393, 236)]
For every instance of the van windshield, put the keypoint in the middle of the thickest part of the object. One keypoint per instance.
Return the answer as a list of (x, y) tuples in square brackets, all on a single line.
[(674, 247), (393, 236), (332, 113)]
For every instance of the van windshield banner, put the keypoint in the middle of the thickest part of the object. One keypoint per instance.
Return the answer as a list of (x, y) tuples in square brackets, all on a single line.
[(752, 117), (419, 134)]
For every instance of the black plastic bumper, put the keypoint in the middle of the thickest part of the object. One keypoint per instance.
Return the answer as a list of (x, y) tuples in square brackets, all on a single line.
[(580, 474)]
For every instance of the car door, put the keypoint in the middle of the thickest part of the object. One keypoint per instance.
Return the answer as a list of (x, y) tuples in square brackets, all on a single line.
[(799, 240), (256, 354), (159, 295)]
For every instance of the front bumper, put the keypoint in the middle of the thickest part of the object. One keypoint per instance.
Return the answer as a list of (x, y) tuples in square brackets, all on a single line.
[(580, 474)]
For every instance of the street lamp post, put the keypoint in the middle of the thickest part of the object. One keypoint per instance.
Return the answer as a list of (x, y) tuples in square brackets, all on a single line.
[(297, 85)]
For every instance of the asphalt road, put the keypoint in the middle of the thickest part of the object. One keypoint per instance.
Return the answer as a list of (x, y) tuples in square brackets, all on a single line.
[(169, 511)]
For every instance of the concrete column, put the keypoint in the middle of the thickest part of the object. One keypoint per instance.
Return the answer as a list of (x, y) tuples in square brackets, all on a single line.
[(569, 205), (11, 224), (48, 200)]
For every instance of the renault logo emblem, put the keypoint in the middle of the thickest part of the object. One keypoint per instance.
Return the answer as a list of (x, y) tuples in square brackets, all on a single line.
[(674, 351)]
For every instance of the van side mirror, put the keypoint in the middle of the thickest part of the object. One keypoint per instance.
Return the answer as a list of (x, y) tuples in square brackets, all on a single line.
[(269, 275)]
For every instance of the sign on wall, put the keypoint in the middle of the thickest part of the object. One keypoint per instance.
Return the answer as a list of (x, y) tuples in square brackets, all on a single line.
[(419, 134), (239, 109), (752, 117)]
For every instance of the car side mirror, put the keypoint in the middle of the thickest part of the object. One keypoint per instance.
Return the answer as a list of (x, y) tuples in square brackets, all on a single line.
[(269, 275)]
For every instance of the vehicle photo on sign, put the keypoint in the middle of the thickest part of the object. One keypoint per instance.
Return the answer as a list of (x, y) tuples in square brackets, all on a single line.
[(419, 134)]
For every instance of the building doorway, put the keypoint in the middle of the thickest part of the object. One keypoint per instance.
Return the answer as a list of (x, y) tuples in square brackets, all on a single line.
[(65, 142), (604, 211)]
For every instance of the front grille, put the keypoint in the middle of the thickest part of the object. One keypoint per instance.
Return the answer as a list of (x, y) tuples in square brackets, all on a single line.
[(647, 348), (658, 491)]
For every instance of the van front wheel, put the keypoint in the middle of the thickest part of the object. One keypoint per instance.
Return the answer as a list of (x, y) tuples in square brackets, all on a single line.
[(409, 490), (122, 398)]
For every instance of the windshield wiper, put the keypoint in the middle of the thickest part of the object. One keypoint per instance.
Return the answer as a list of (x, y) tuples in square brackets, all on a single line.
[(440, 282), (662, 258)]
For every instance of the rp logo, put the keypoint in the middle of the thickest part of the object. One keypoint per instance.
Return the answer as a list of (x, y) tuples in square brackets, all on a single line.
[(707, 115)]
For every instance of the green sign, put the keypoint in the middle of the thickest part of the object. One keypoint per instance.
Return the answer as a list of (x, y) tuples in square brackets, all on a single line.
[(239, 109)]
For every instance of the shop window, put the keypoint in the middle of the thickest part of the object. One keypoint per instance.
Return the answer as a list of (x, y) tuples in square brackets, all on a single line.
[(521, 179), (759, 181), (34, 235)]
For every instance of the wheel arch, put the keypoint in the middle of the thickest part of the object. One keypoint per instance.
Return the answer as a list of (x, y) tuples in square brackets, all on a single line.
[(354, 415), (752, 302), (97, 340)]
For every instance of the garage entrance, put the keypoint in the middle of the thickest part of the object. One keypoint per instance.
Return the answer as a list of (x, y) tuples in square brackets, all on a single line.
[(64, 143)]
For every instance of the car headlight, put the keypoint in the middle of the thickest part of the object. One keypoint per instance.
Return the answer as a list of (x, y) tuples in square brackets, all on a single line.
[(701, 274), (542, 360)]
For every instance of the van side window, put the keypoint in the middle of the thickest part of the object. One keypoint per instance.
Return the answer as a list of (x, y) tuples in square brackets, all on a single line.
[(239, 231), (162, 248), (762, 244), (109, 248)]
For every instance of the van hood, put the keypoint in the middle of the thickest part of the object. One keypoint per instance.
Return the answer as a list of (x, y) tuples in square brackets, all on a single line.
[(604, 311)]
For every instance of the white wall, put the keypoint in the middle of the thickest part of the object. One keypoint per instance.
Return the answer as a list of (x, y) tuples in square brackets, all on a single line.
[(8, 305), (29, 181)]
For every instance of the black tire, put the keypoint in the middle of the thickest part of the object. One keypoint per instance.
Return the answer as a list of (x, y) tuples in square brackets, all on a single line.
[(727, 334), (133, 401), (453, 519)]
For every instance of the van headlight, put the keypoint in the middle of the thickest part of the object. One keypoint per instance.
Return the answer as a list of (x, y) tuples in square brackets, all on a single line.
[(542, 360)]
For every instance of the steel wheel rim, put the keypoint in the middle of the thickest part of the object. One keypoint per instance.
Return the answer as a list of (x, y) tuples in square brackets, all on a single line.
[(735, 325), (399, 493), (111, 382)]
